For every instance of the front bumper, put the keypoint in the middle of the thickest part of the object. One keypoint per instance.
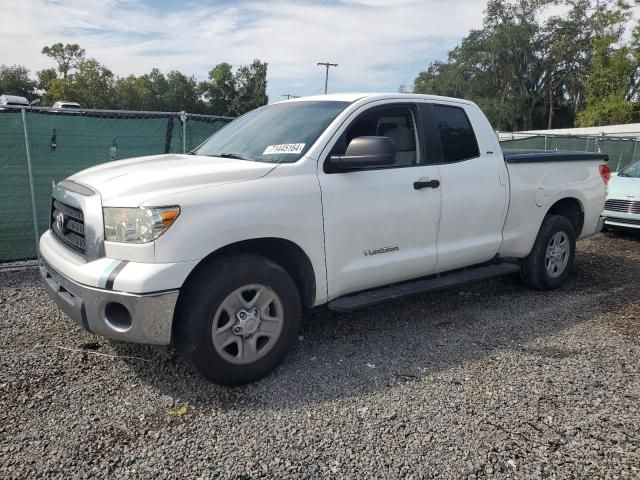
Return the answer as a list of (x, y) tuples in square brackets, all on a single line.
[(139, 318), (621, 220)]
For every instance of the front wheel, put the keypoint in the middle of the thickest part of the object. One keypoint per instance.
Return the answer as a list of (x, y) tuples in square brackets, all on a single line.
[(238, 318), (552, 255)]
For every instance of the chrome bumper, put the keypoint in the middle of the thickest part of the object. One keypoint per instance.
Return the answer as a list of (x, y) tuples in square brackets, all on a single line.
[(139, 318), (630, 221)]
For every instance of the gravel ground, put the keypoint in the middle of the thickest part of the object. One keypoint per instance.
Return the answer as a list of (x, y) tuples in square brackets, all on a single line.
[(492, 380)]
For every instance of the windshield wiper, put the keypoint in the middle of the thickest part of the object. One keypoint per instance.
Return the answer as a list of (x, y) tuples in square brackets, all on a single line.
[(234, 155)]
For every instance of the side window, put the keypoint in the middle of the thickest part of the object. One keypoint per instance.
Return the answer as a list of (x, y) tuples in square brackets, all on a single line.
[(456, 134), (397, 123)]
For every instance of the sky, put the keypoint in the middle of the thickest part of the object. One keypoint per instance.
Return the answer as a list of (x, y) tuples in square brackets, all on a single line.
[(377, 44)]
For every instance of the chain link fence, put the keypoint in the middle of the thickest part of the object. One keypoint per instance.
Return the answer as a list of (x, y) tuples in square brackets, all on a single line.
[(622, 150), (39, 146)]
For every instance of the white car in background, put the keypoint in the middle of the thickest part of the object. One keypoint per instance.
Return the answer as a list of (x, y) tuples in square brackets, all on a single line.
[(63, 105), (622, 208), (13, 101)]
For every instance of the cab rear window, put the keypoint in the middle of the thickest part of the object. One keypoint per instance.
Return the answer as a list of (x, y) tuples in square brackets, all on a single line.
[(456, 134)]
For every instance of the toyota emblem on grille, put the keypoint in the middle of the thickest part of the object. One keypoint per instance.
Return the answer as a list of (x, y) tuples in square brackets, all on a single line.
[(60, 221)]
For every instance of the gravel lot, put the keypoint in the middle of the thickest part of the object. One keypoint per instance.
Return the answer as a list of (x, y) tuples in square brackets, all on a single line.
[(492, 380)]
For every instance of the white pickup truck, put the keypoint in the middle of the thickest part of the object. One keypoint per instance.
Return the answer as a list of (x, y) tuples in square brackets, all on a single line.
[(347, 200)]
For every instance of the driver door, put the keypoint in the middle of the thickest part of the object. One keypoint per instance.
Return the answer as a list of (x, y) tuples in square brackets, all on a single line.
[(379, 227)]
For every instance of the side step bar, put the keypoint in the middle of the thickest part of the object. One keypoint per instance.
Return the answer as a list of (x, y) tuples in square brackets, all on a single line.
[(387, 293)]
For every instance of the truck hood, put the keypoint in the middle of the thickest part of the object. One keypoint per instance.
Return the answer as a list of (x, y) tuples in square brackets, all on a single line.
[(624, 188), (134, 181)]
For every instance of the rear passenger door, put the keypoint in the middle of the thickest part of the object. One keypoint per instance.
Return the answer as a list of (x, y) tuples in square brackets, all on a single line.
[(473, 182)]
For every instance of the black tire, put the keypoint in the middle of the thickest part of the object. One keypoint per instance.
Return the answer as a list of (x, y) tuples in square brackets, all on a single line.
[(534, 271), (202, 296)]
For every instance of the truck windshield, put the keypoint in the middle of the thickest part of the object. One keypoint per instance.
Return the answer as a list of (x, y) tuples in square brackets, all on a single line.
[(632, 170), (279, 133)]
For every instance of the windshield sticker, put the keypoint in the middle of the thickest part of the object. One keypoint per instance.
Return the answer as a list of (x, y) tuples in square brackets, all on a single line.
[(283, 148)]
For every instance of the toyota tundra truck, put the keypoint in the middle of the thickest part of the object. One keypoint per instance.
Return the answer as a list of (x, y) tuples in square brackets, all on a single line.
[(347, 200)]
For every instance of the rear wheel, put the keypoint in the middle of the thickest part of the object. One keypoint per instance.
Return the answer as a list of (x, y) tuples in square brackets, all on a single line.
[(237, 319), (552, 255)]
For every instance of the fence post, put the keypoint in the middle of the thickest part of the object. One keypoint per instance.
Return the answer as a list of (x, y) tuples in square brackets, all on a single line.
[(30, 171), (183, 118), (545, 143)]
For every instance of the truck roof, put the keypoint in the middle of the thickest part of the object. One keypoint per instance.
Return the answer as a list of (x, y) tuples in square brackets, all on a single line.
[(353, 97)]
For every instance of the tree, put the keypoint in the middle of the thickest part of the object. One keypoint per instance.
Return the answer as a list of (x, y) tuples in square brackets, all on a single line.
[(611, 87), (181, 93), (496, 66), (134, 93), (15, 80), (94, 84), (45, 77), (614, 72), (251, 86), (66, 56), (524, 72), (158, 84), (566, 57), (220, 91), (91, 85)]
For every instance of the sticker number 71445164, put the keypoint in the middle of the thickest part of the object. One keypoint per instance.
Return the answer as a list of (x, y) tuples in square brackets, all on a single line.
[(283, 148)]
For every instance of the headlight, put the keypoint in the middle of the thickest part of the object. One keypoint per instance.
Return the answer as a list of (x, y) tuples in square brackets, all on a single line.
[(137, 225)]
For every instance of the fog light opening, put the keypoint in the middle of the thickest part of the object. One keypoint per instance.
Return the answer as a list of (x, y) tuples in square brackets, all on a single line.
[(117, 317)]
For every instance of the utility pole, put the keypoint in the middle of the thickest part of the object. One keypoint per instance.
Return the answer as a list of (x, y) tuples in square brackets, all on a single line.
[(326, 65), (289, 95)]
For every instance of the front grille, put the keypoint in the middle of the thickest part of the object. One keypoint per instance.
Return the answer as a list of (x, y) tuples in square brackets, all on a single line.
[(67, 224), (624, 206)]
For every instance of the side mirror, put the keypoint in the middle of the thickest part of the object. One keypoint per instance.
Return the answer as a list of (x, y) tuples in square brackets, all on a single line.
[(365, 152)]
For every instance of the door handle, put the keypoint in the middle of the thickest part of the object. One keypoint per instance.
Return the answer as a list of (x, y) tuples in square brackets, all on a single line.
[(424, 183)]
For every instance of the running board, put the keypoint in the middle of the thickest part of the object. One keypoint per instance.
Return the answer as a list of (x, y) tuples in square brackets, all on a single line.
[(379, 295)]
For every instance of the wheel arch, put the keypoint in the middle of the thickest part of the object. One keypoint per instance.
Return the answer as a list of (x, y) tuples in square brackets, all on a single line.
[(572, 209), (285, 253)]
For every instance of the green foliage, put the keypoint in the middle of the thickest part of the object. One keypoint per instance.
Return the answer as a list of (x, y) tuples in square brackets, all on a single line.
[(181, 93), (91, 86), (232, 94), (496, 66), (527, 73), (45, 77), (134, 90), (15, 80), (220, 90), (251, 88), (612, 85)]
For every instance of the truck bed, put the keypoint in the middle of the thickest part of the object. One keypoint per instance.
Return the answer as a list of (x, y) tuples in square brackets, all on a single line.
[(530, 156)]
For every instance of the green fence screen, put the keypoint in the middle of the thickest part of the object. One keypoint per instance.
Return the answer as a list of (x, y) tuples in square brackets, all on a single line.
[(16, 224), (63, 143), (622, 151)]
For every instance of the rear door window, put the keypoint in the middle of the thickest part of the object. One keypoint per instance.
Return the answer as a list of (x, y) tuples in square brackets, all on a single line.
[(456, 134)]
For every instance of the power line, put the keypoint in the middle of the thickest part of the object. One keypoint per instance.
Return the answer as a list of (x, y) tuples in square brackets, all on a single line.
[(326, 65)]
